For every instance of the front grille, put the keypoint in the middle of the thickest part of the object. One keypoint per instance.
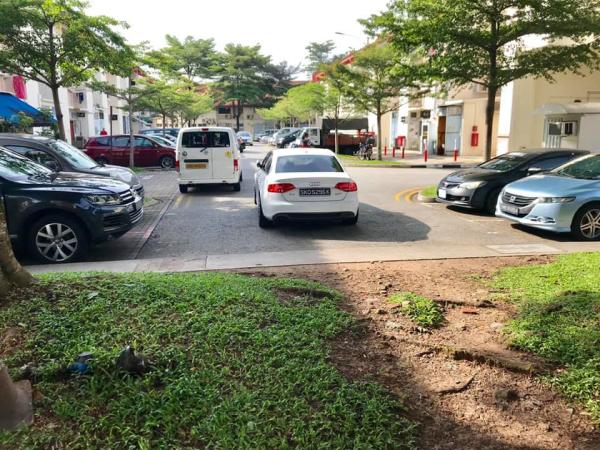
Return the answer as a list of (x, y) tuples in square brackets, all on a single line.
[(136, 215), (115, 221), (126, 197), (517, 200), (449, 185), (139, 190)]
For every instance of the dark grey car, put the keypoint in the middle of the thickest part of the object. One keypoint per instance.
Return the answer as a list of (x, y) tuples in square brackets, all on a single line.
[(59, 156)]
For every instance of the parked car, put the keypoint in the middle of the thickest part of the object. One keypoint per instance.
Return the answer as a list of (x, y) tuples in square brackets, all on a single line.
[(165, 139), (280, 134), (147, 152), (289, 139), (263, 135), (565, 200), (306, 184), (166, 131), (60, 156), (208, 156), (246, 136), (57, 216), (479, 187)]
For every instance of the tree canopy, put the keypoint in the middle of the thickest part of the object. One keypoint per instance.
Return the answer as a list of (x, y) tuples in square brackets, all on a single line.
[(319, 53), (193, 58), (493, 42), (57, 44)]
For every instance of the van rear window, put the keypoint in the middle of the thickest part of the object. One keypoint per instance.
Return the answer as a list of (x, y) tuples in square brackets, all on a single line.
[(203, 139)]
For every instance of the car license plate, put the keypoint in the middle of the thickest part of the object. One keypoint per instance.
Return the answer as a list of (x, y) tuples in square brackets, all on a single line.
[(307, 192), (510, 209), (196, 166), (442, 193)]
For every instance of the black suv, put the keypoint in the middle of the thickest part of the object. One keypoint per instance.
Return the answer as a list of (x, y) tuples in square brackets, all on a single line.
[(58, 215), (60, 156)]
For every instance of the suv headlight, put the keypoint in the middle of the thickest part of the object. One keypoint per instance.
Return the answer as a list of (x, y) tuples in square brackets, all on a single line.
[(103, 199), (471, 184), (556, 199)]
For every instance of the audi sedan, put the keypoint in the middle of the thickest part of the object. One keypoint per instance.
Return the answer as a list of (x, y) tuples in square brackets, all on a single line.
[(304, 185), (564, 200)]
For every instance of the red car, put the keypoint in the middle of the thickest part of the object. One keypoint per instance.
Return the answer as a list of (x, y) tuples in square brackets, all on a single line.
[(115, 150)]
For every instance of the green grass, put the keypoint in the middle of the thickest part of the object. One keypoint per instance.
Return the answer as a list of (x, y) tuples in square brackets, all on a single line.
[(237, 366), (422, 311), (350, 159), (429, 192), (559, 319)]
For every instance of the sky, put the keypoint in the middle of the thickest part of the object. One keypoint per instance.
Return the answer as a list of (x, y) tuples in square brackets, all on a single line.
[(283, 29)]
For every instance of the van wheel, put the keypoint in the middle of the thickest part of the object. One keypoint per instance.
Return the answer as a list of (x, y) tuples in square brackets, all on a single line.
[(237, 187), (167, 162), (57, 239), (183, 188), (586, 223)]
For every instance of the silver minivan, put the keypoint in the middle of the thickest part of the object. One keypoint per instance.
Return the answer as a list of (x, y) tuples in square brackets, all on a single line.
[(208, 155)]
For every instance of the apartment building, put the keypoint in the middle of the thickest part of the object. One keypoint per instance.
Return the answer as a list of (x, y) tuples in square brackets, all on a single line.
[(85, 112)]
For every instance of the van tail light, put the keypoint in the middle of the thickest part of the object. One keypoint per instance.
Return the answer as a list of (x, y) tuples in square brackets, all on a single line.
[(177, 168), (236, 165), (281, 188), (349, 186)]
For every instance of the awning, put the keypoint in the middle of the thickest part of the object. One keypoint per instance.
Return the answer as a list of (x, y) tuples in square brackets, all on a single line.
[(11, 106), (558, 109)]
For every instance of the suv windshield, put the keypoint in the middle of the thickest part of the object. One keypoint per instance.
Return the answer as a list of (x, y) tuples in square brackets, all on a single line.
[(14, 167), (505, 163), (586, 168), (308, 163), (76, 157)]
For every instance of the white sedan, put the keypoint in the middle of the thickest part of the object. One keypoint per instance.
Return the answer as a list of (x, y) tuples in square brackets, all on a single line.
[(304, 184)]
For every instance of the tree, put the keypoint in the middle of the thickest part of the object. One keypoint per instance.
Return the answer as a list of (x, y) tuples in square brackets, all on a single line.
[(486, 42), (193, 105), (299, 103), (166, 97), (319, 53), (335, 100), (244, 77), (57, 44), (193, 58), (375, 81)]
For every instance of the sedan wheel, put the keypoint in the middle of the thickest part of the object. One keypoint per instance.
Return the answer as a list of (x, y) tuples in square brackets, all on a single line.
[(57, 239), (167, 162), (589, 223)]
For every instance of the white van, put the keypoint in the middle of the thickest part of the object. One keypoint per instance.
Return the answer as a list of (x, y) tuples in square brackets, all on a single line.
[(208, 156)]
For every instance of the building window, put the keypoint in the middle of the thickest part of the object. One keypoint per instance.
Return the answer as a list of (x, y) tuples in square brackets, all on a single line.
[(224, 110)]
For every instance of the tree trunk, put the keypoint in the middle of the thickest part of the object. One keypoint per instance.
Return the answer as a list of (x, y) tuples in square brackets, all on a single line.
[(237, 116), (379, 154), (131, 138), (11, 272), (164, 118), (336, 121), (58, 111), (489, 121)]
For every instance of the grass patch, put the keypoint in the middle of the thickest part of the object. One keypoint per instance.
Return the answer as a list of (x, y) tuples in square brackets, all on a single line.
[(235, 366), (422, 311), (429, 192), (559, 319), (350, 159)]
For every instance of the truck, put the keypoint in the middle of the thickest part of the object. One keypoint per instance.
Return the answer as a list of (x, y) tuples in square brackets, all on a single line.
[(350, 134)]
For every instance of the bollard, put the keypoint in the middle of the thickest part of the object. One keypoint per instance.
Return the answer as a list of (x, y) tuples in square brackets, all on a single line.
[(385, 150), (403, 152), (455, 155), (426, 155), (16, 408), (394, 152)]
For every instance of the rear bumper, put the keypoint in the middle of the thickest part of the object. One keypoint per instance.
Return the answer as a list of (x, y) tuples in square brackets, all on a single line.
[(190, 181), (313, 217), (317, 210)]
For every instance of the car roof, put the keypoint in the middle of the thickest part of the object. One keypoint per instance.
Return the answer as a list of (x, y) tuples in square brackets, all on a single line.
[(26, 137), (207, 129), (533, 152), (302, 151)]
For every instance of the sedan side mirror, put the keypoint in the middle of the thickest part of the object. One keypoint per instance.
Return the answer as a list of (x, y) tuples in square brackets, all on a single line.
[(534, 171)]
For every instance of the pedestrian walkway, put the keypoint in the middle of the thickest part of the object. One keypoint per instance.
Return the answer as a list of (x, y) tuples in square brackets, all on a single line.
[(416, 158)]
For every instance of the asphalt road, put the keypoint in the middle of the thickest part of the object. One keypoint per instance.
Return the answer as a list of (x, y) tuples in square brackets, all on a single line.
[(217, 221)]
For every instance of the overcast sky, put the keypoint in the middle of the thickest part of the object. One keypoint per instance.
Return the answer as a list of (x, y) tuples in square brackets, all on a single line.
[(283, 29)]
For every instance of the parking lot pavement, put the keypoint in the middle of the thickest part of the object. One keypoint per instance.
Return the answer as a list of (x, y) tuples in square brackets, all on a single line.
[(160, 187)]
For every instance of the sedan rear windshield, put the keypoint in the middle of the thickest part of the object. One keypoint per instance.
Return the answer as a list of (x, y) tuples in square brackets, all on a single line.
[(307, 163), (505, 163), (14, 167), (586, 168)]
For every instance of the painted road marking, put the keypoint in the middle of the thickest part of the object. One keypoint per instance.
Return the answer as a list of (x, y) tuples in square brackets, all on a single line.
[(407, 194), (523, 248)]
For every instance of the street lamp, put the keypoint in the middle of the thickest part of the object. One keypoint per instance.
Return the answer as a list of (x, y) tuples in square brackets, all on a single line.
[(339, 33)]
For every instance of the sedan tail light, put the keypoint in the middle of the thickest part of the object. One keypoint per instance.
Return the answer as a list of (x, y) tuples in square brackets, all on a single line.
[(281, 188), (348, 186)]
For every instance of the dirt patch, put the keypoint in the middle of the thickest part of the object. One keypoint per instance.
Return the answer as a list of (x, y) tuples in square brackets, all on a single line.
[(461, 382), (11, 339)]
